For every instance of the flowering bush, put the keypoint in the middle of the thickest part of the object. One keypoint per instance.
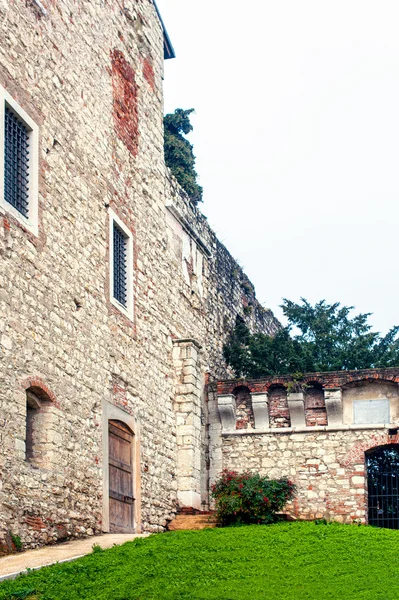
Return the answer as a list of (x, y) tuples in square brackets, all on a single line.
[(250, 498)]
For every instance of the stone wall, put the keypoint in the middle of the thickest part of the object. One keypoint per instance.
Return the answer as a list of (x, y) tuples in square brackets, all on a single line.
[(328, 427), (90, 75), (328, 468)]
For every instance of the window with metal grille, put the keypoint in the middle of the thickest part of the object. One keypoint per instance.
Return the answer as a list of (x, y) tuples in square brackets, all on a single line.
[(16, 162), (120, 242)]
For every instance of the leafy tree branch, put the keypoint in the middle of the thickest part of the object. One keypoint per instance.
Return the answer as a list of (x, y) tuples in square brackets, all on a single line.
[(179, 156), (327, 339)]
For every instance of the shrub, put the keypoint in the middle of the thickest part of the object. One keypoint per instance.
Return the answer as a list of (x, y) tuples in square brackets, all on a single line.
[(16, 540), (250, 498)]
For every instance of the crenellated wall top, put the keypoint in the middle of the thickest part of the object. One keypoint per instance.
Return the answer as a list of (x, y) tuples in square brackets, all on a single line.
[(328, 380)]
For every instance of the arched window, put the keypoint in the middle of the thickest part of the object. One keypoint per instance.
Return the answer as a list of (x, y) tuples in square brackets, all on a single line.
[(39, 439)]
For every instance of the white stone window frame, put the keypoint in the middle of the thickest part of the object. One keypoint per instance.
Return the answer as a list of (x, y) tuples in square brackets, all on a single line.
[(128, 311), (32, 222)]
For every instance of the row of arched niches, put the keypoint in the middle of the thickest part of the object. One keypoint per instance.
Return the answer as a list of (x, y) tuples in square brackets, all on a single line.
[(344, 398), (279, 414)]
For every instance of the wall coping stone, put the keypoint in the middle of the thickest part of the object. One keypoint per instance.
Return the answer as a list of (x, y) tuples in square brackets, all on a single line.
[(330, 380), (195, 236), (318, 428), (187, 341)]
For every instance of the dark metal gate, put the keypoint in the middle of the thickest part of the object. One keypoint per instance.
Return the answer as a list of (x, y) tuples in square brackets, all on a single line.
[(383, 486)]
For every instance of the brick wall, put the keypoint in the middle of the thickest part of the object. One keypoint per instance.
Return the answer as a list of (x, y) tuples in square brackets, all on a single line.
[(315, 408), (278, 407), (244, 412)]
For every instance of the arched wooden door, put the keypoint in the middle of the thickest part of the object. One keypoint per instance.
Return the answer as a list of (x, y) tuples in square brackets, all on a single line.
[(121, 501)]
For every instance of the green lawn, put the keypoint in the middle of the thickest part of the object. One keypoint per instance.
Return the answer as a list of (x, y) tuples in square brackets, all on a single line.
[(286, 560)]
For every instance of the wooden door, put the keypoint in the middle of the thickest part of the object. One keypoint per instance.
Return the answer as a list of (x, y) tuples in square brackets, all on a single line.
[(120, 478)]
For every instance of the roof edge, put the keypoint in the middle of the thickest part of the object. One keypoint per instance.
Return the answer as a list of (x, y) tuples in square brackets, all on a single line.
[(168, 50)]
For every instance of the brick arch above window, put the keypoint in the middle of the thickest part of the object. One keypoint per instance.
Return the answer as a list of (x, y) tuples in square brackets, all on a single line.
[(39, 387), (355, 454)]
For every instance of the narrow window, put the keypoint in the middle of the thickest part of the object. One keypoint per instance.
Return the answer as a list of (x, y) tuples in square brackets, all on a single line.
[(31, 412), (121, 265), (19, 156), (40, 434), (16, 163), (33, 406)]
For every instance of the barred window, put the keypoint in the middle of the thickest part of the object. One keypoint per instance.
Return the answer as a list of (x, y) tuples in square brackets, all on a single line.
[(120, 266), (16, 163), (19, 163)]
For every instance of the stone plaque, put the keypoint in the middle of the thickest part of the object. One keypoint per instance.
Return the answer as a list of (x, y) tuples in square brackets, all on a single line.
[(370, 412)]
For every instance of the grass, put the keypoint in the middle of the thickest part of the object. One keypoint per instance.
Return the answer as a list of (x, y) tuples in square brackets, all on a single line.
[(283, 561)]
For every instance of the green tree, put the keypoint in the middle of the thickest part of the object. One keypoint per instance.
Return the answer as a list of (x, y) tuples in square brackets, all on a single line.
[(323, 337), (179, 155), (260, 355)]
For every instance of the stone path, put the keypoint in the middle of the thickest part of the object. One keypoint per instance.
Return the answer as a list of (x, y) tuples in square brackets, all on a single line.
[(14, 564)]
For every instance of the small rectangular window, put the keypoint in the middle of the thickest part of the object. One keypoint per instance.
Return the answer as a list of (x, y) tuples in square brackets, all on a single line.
[(121, 265), (19, 155), (16, 163)]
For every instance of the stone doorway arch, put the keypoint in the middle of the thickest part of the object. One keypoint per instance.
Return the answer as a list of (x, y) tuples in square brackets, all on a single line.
[(121, 442), (120, 465), (382, 465)]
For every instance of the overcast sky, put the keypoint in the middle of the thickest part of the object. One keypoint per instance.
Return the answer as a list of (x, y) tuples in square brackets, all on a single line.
[(296, 134)]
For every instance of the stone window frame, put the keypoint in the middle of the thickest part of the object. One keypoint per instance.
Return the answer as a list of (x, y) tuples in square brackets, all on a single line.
[(128, 311), (30, 223)]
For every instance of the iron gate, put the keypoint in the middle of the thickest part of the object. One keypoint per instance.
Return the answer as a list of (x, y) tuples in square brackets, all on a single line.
[(383, 486)]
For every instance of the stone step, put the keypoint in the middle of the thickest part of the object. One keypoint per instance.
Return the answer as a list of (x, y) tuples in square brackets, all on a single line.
[(185, 522)]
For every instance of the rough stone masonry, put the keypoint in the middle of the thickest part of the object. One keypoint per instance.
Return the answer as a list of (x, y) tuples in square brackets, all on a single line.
[(317, 432), (89, 76), (110, 415)]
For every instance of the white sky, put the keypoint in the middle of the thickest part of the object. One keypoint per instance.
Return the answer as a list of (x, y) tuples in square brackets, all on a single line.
[(296, 135)]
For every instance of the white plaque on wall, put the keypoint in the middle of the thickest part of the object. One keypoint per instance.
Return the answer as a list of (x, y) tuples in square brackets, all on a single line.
[(370, 412)]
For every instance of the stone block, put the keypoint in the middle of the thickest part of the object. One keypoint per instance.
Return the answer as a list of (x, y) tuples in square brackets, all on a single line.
[(357, 480), (189, 499), (227, 411), (20, 445), (260, 409), (297, 409), (333, 401)]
